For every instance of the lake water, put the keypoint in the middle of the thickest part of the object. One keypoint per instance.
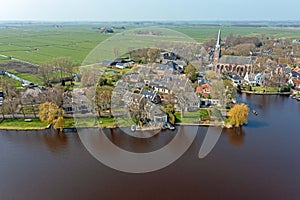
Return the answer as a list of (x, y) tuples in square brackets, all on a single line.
[(259, 161)]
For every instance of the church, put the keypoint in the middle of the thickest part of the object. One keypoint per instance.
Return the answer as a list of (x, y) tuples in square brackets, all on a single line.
[(234, 64)]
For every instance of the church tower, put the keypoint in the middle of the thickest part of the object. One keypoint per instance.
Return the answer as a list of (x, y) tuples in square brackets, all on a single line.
[(218, 48)]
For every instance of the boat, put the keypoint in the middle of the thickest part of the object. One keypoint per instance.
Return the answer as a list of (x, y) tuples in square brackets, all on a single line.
[(254, 112), (170, 126), (132, 128)]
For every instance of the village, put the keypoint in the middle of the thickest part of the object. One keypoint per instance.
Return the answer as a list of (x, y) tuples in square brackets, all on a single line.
[(159, 94)]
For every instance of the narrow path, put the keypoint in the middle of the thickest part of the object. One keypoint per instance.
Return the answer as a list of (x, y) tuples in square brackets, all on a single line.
[(16, 59)]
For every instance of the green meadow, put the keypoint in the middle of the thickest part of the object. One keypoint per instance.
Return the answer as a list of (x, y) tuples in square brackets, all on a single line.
[(39, 43)]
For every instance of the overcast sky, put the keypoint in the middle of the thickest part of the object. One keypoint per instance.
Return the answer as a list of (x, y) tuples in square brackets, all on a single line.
[(136, 10)]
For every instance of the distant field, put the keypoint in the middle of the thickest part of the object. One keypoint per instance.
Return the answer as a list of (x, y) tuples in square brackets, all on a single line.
[(40, 43), (201, 34)]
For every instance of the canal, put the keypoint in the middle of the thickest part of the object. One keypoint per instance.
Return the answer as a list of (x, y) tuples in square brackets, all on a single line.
[(258, 161)]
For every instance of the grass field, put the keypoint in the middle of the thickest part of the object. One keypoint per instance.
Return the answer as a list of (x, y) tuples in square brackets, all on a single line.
[(192, 117), (20, 124), (265, 89), (201, 34), (40, 43), (90, 122)]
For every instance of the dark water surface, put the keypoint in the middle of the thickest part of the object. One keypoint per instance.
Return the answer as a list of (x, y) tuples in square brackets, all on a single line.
[(259, 161)]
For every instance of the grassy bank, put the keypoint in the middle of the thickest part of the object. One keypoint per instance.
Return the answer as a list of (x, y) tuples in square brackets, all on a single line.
[(90, 122), (192, 117), (21, 124)]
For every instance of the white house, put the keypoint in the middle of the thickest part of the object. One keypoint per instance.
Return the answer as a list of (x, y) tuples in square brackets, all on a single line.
[(253, 79), (121, 65)]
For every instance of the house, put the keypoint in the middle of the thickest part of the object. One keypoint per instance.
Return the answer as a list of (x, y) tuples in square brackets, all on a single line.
[(32, 95), (107, 63), (155, 114), (295, 83), (160, 117), (121, 65), (259, 78), (164, 69), (295, 75), (76, 102), (253, 79), (2, 72), (151, 95), (204, 90), (181, 64), (160, 88), (250, 79), (106, 30), (296, 41), (236, 79), (1, 98), (168, 56), (204, 102)]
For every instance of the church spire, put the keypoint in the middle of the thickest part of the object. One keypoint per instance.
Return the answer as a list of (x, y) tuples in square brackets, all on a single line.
[(218, 48), (218, 45)]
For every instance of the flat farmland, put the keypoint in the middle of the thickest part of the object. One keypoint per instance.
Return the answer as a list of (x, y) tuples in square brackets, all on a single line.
[(39, 43), (203, 33)]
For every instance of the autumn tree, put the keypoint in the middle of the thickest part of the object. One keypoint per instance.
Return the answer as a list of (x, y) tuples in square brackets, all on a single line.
[(238, 115), (51, 113), (244, 49), (190, 72), (211, 75), (170, 110), (103, 98)]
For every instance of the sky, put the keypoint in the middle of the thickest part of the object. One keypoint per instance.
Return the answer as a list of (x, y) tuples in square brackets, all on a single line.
[(148, 10)]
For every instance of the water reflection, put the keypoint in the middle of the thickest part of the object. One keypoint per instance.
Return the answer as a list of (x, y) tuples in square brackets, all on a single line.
[(141, 145), (236, 136), (55, 141)]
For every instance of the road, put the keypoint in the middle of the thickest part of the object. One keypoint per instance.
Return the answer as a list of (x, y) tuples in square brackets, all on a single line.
[(16, 59)]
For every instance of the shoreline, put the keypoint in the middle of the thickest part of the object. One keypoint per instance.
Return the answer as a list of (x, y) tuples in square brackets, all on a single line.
[(70, 129), (266, 93)]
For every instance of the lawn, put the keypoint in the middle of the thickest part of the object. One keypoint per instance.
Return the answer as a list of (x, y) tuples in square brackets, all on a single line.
[(192, 117), (266, 89), (20, 124), (89, 122)]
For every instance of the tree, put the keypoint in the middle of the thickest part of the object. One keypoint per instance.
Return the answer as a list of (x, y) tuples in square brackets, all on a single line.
[(103, 98), (211, 74), (55, 95), (230, 90), (64, 65), (10, 101), (51, 113), (190, 71), (219, 91), (46, 72), (170, 110), (244, 49), (59, 123), (89, 78), (238, 115)]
